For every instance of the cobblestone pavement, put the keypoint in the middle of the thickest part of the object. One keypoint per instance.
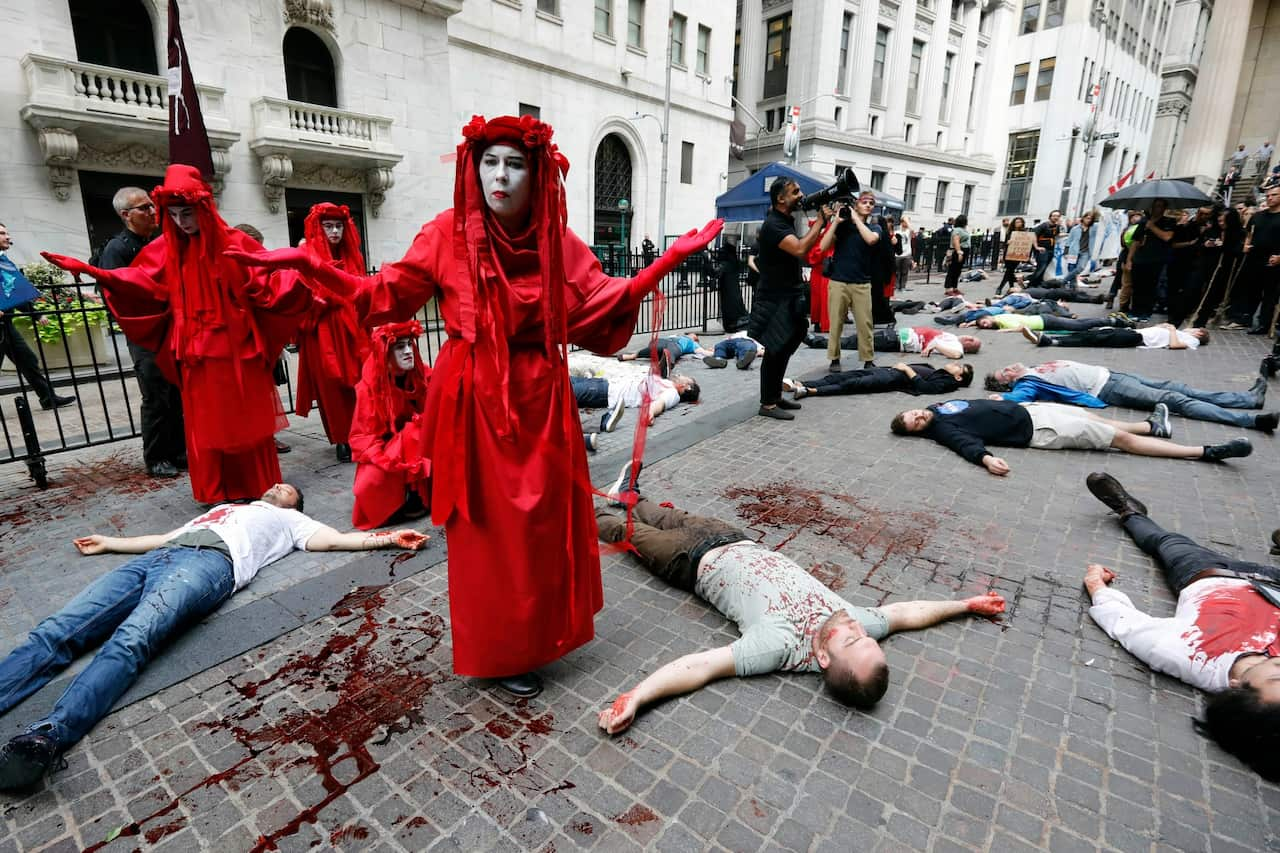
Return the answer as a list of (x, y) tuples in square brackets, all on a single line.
[(1036, 732)]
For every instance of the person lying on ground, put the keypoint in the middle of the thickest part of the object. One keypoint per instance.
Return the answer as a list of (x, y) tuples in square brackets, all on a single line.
[(1224, 636), (971, 313), (925, 340), (910, 378), (1065, 381), (179, 578), (1066, 294), (629, 392), (674, 347), (968, 426), (788, 621), (1050, 323), (1163, 336), (737, 346)]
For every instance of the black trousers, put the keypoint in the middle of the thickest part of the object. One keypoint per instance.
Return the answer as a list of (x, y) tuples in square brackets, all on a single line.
[(1066, 294), (1180, 277), (1010, 272), (14, 347), (773, 366), (954, 266), (163, 430), (1054, 323), (1146, 278), (867, 380), (672, 349), (1182, 559), (733, 313), (883, 340), (1105, 337)]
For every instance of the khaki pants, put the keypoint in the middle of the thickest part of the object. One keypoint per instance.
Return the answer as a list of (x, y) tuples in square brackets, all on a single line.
[(1126, 289), (841, 296)]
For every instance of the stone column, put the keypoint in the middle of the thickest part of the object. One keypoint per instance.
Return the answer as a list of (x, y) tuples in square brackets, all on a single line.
[(750, 63), (1206, 140)]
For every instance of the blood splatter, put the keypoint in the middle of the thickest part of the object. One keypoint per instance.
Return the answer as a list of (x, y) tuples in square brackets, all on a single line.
[(829, 575), (398, 559), (348, 833), (154, 834), (583, 827), (416, 823), (636, 815), (1233, 618)]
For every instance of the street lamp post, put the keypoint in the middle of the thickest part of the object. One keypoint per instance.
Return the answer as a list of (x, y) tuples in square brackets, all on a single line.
[(662, 190), (623, 207)]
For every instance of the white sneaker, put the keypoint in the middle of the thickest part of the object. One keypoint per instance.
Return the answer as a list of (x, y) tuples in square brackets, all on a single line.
[(622, 485), (609, 421)]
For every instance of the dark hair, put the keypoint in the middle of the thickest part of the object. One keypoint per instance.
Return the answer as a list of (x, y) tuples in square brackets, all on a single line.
[(898, 426), (962, 221), (995, 385), (966, 375), (300, 502), (1014, 226), (1055, 210), (1204, 336), (249, 230), (848, 690), (778, 187), (1241, 723), (690, 393)]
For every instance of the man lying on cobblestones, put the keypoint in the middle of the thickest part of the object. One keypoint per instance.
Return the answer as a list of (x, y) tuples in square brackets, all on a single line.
[(967, 426), (925, 340), (1075, 382), (789, 621), (1224, 636), (909, 378), (1162, 336), (179, 578)]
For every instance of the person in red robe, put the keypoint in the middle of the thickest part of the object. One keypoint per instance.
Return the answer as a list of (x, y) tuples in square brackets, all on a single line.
[(386, 432), (216, 329), (331, 344), (509, 479), (818, 288)]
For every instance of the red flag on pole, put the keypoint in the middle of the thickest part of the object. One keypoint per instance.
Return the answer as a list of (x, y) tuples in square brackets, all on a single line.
[(188, 140), (1124, 179), (1151, 176)]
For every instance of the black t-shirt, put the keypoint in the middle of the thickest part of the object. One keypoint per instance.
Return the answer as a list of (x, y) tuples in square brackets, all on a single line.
[(121, 250), (1187, 232), (779, 270), (1265, 227), (1153, 250), (1046, 234), (854, 259)]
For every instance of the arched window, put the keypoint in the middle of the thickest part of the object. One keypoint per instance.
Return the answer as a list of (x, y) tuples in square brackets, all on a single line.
[(308, 69), (115, 33), (613, 183)]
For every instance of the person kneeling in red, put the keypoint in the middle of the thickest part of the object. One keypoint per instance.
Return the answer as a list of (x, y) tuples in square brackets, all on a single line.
[(392, 477)]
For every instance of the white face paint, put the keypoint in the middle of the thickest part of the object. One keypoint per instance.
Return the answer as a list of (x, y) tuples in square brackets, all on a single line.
[(505, 181), (400, 356), (184, 216), (333, 229)]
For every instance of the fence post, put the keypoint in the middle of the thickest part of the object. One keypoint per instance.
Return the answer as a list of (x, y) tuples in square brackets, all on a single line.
[(34, 459)]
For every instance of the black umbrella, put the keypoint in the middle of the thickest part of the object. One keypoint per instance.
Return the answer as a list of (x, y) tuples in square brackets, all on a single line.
[(1176, 193)]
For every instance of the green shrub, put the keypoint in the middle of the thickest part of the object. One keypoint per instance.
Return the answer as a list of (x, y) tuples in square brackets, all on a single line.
[(61, 307)]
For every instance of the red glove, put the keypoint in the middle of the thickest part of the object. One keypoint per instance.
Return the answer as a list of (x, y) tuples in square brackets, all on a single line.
[(684, 246), (78, 267), (326, 275)]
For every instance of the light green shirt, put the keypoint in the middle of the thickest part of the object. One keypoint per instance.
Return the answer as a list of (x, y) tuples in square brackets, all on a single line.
[(1019, 321)]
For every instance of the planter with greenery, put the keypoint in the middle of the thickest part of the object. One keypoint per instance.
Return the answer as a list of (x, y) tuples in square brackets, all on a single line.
[(67, 319)]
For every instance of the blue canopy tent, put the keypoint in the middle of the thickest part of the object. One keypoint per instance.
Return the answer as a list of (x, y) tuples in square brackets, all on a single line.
[(749, 200)]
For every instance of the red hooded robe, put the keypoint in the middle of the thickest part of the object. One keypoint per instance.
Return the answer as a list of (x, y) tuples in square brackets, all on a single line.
[(331, 344), (216, 329), (386, 432)]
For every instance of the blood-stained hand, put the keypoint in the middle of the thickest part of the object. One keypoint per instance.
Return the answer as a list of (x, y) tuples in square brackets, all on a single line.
[(410, 540), (92, 544), (1097, 577), (618, 716), (989, 604)]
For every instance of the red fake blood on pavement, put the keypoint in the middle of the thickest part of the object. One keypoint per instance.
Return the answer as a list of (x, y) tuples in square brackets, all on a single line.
[(348, 833), (583, 827), (154, 834), (398, 559), (636, 815), (829, 575), (1234, 619)]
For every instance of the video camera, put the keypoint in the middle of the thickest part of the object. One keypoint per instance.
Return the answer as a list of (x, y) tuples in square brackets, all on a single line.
[(845, 186)]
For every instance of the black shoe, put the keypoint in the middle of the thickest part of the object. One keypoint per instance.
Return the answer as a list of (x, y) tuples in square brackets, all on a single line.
[(1275, 541), (664, 364), (1270, 366), (1107, 489), (56, 402), (524, 686), (714, 362), (181, 462), (1258, 330), (281, 447), (744, 360), (784, 403), (163, 470), (867, 364), (1235, 448), (834, 366), (776, 412), (25, 760), (1159, 420), (622, 485), (1267, 421), (1259, 388), (343, 452)]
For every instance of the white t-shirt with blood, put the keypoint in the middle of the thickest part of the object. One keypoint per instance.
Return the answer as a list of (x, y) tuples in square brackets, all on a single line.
[(257, 534), (631, 390), (916, 338), (1217, 620), (1157, 337), (1088, 378)]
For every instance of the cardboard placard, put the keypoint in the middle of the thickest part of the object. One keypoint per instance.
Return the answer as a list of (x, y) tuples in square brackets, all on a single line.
[(1020, 244)]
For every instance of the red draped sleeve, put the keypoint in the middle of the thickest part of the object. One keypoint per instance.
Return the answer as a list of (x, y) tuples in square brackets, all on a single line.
[(400, 288), (138, 297)]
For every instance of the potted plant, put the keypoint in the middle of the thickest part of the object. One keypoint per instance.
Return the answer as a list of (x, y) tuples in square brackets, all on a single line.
[(63, 319)]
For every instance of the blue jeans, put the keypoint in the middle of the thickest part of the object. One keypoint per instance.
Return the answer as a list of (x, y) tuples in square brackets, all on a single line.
[(734, 348), (1137, 392), (1082, 264), (136, 609), (590, 393)]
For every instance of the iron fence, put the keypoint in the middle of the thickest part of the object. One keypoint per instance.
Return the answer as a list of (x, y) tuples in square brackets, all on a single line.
[(81, 352)]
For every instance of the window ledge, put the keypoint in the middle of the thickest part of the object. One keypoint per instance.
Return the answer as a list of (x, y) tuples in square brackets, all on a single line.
[(550, 18), (605, 37), (679, 66), (638, 51), (514, 4)]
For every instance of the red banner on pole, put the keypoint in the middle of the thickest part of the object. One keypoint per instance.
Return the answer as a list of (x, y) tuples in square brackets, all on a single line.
[(188, 139)]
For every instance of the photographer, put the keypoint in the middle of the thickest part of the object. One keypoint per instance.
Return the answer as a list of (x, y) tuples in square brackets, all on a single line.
[(852, 270), (779, 314)]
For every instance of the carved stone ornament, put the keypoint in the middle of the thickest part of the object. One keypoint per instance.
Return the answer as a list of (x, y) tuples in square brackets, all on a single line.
[(60, 149), (773, 4), (277, 169), (380, 180), (123, 158), (328, 177), (315, 13)]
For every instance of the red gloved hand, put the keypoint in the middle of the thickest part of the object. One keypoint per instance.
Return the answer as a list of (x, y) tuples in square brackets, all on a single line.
[(990, 604), (684, 246), (274, 259), (76, 267)]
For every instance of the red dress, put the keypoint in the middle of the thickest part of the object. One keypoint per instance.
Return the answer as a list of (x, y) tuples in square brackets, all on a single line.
[(818, 291), (331, 348), (508, 467), (215, 336)]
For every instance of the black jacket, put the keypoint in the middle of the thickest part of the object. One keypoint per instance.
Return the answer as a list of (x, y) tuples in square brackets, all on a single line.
[(967, 426)]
